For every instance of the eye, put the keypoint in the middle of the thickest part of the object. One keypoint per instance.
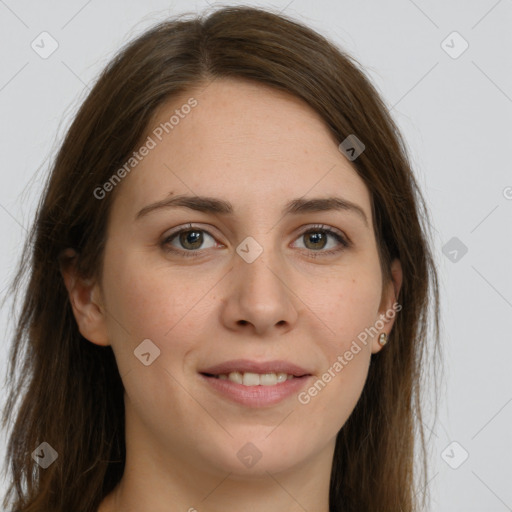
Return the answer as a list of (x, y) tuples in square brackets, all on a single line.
[(190, 240), (317, 238)]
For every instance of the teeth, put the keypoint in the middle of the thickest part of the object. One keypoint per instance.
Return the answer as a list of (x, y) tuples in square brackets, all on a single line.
[(250, 379), (256, 379)]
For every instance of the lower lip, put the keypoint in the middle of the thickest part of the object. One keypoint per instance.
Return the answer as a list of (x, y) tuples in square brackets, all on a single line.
[(256, 396)]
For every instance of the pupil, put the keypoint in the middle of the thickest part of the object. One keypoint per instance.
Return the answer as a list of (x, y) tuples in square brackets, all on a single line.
[(194, 238), (317, 237)]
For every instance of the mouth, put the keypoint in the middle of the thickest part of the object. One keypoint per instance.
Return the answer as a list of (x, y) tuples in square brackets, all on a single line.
[(254, 373), (255, 384), (255, 379)]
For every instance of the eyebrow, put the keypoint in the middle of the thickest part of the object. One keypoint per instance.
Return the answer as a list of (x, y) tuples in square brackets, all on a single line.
[(220, 206)]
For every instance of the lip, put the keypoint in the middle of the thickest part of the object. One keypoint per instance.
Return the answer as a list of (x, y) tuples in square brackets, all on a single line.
[(246, 365), (256, 396)]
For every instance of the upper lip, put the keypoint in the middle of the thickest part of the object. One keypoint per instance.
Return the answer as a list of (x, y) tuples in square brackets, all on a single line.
[(246, 365)]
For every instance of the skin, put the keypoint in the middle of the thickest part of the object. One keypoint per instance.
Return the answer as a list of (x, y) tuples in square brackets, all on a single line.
[(257, 148)]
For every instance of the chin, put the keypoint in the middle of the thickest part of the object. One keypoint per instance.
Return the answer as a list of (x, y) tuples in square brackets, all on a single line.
[(256, 455)]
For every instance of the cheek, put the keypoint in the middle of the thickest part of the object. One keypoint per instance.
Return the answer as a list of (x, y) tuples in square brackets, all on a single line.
[(349, 305), (142, 305), (144, 302), (350, 309), (347, 353), (146, 297)]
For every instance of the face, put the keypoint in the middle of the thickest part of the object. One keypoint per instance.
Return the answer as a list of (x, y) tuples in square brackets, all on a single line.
[(263, 271)]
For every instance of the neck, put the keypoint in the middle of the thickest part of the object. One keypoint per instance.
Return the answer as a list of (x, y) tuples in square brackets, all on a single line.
[(148, 486), (227, 494)]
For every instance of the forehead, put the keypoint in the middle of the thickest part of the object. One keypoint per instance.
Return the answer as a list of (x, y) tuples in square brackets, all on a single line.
[(242, 141)]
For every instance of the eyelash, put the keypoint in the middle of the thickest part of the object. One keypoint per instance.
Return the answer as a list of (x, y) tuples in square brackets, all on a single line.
[(313, 229)]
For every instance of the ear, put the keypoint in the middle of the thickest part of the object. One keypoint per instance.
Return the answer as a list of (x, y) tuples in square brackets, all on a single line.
[(85, 299), (388, 306)]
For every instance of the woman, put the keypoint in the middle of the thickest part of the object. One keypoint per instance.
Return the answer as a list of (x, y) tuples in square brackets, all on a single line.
[(229, 286)]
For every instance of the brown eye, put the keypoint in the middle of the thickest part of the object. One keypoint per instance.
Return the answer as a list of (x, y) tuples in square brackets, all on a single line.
[(318, 238), (188, 241), (191, 239), (315, 240)]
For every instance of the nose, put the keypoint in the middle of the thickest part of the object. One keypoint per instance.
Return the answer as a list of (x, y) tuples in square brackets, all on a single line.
[(259, 299)]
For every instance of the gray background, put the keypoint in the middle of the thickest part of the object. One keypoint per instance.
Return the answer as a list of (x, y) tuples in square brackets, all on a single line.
[(454, 111)]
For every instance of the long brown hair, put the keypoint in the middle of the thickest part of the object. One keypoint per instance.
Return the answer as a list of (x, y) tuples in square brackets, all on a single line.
[(70, 390)]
